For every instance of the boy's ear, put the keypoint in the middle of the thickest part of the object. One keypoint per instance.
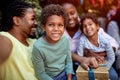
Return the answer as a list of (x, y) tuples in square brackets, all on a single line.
[(43, 27)]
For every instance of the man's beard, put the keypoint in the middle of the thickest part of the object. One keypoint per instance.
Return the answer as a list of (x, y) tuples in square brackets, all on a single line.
[(33, 36)]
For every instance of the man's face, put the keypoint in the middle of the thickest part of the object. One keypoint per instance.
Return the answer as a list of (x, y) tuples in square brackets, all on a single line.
[(28, 22)]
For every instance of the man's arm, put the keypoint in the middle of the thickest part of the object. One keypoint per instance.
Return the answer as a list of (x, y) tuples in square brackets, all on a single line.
[(5, 48)]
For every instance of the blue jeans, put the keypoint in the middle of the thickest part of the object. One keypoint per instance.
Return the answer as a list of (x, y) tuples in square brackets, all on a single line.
[(63, 76), (75, 66), (113, 74)]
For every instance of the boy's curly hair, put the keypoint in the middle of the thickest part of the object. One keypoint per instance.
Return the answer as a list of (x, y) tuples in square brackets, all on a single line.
[(53, 9)]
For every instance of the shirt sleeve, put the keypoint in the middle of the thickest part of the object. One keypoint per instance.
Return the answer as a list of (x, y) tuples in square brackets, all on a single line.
[(38, 64), (69, 65), (110, 55), (80, 47), (111, 39)]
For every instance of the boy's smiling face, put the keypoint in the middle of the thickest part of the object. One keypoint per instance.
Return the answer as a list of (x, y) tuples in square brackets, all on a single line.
[(54, 28)]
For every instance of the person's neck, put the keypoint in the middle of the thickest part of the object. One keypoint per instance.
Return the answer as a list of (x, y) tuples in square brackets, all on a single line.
[(19, 36), (72, 31), (94, 40)]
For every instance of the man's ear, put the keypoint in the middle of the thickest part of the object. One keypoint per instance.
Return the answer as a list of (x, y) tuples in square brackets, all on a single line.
[(16, 20)]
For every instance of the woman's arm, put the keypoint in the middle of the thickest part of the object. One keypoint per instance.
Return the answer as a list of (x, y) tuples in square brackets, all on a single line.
[(100, 56), (84, 61)]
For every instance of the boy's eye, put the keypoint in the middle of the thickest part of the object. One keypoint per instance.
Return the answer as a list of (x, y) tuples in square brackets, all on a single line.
[(50, 25), (61, 25), (90, 24)]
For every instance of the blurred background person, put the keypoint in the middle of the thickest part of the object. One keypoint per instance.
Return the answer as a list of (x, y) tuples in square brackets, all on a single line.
[(113, 29)]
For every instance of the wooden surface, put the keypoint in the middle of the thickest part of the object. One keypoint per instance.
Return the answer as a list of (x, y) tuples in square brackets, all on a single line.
[(100, 73)]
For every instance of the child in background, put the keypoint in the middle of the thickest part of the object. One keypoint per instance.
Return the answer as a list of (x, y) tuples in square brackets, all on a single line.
[(92, 40), (51, 53)]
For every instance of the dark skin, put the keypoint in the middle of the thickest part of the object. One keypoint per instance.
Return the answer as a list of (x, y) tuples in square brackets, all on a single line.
[(72, 30), (99, 56), (85, 62)]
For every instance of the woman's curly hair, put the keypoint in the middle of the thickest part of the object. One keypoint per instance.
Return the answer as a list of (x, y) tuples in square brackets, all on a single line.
[(53, 9)]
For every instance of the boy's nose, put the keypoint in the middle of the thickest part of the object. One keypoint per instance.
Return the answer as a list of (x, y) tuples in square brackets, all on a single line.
[(56, 27)]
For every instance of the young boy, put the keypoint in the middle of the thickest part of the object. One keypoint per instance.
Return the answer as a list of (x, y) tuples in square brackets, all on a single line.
[(51, 53)]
